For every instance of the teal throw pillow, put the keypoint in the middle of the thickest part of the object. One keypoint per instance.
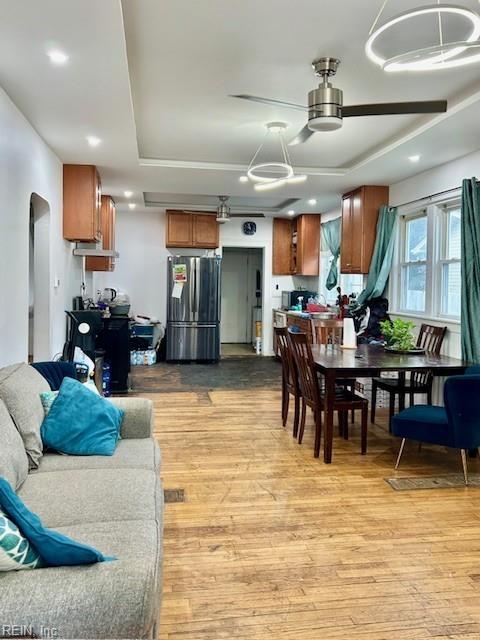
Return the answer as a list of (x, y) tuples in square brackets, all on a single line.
[(53, 548), (81, 423), (15, 550)]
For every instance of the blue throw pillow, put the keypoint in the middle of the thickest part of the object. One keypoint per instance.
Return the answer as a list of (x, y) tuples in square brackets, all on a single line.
[(54, 549), (81, 423)]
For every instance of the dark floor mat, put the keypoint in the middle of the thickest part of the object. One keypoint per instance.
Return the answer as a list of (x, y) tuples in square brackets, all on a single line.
[(232, 373)]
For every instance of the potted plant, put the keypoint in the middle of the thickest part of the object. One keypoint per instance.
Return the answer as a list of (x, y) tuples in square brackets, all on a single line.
[(398, 335)]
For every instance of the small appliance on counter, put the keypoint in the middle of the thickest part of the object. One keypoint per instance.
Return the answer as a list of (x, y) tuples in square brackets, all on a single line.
[(291, 298)]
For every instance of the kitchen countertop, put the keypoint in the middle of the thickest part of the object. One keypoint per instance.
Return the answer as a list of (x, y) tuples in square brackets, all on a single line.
[(296, 314)]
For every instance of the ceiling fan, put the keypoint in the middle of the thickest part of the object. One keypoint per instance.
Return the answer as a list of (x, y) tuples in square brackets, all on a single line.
[(325, 104), (224, 213)]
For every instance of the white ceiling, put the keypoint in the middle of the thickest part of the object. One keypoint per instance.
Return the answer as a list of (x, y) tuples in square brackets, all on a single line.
[(152, 78)]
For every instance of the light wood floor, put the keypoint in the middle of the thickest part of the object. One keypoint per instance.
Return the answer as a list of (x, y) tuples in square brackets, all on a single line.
[(273, 544)]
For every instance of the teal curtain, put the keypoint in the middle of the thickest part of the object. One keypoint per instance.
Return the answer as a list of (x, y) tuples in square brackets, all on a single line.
[(470, 261), (382, 255), (331, 242)]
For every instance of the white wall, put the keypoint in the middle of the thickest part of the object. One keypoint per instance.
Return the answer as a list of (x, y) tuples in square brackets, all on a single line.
[(27, 165)]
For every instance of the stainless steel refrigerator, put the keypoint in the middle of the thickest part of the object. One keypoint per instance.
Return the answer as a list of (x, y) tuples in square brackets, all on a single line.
[(193, 308)]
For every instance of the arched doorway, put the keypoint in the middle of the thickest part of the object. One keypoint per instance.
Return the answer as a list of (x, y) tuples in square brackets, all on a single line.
[(39, 280)]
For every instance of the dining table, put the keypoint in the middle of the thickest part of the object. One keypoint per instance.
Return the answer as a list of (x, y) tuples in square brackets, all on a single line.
[(368, 361)]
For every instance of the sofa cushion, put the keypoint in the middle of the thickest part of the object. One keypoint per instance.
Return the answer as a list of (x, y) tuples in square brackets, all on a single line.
[(54, 548), (81, 423), (109, 600), (140, 453), (64, 498), (13, 458), (20, 389)]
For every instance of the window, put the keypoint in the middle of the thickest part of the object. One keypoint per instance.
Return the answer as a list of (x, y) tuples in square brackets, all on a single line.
[(414, 264), (428, 273), (349, 283), (450, 263)]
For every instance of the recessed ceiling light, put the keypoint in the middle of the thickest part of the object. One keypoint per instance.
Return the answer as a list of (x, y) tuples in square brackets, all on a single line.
[(128, 194), (243, 179), (93, 141), (414, 158), (291, 212), (312, 202), (57, 57), (131, 205)]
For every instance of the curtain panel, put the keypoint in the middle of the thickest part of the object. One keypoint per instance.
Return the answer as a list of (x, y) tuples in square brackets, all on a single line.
[(470, 265), (382, 257), (330, 241)]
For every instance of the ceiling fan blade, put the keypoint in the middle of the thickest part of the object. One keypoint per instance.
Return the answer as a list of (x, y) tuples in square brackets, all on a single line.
[(275, 103), (247, 215), (301, 137), (395, 108)]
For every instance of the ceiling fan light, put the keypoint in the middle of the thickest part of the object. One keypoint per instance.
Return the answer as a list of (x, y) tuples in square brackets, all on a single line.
[(222, 219), (434, 61), (324, 123)]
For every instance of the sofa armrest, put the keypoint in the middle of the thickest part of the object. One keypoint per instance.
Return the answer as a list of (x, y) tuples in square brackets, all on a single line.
[(138, 418)]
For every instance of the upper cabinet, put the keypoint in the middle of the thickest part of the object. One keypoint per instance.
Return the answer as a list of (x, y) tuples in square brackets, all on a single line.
[(101, 263), (359, 222), (296, 246), (82, 193), (187, 229)]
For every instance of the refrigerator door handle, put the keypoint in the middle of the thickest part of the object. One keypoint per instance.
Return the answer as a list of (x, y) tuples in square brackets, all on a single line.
[(195, 302)]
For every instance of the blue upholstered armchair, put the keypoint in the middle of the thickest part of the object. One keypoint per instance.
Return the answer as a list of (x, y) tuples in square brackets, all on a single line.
[(456, 425)]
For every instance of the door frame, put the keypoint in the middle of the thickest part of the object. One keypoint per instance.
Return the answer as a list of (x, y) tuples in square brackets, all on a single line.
[(266, 286)]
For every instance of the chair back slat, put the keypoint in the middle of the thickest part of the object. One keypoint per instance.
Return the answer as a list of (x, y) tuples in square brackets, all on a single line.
[(289, 368), (329, 332), (305, 363), (430, 338)]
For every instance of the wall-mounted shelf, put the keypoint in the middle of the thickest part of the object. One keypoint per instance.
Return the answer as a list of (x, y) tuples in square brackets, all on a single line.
[(96, 253)]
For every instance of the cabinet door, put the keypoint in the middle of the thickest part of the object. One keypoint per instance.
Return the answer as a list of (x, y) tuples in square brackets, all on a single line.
[(107, 217), (308, 245), (282, 247), (179, 229), (205, 230), (81, 203), (356, 231), (347, 237)]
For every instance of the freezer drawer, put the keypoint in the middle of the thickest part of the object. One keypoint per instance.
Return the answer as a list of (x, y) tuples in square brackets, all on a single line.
[(193, 342)]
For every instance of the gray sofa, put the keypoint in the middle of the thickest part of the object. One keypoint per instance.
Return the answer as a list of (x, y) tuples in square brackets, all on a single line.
[(112, 503)]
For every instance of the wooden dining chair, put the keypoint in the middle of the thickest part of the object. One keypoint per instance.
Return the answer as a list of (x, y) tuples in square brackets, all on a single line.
[(290, 382), (313, 397), (330, 332), (430, 338)]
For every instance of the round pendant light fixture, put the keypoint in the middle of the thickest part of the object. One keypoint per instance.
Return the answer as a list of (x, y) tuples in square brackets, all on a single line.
[(444, 55), (272, 174)]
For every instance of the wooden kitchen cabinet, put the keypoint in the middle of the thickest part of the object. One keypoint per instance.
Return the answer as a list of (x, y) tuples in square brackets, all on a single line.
[(359, 222), (304, 325), (308, 245), (82, 194), (189, 229), (107, 215), (282, 252), (296, 246), (205, 230)]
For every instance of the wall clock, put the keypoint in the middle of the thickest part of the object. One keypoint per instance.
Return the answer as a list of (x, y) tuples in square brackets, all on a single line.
[(249, 228)]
